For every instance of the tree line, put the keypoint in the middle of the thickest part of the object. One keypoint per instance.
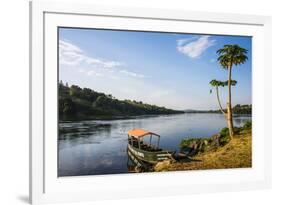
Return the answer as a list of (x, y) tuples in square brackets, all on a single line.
[(84, 103), (237, 109)]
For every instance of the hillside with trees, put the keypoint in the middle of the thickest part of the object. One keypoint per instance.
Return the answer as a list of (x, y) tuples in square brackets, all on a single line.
[(237, 109), (84, 103)]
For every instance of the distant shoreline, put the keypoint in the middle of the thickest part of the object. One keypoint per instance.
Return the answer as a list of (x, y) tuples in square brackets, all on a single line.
[(237, 109)]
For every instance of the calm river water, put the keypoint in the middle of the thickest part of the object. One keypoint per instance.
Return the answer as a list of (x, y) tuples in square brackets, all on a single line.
[(99, 146)]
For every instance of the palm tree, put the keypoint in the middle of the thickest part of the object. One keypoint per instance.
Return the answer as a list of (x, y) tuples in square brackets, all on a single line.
[(231, 55), (216, 84)]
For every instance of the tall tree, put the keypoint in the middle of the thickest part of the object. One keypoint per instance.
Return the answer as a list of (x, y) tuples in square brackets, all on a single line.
[(229, 56), (216, 84)]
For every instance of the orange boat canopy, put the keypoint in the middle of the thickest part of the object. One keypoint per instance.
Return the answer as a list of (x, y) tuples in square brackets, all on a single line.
[(140, 133)]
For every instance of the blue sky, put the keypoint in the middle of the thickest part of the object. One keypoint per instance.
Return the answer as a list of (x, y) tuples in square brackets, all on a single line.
[(166, 69)]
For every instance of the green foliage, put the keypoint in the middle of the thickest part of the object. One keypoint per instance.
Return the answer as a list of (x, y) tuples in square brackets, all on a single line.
[(242, 109), (185, 143), (78, 103), (224, 131), (217, 83), (188, 141), (224, 136), (247, 125), (232, 55), (66, 106), (195, 145), (237, 109)]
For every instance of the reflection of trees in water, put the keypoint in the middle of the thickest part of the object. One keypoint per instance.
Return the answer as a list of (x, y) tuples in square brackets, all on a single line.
[(83, 133), (240, 121), (85, 129)]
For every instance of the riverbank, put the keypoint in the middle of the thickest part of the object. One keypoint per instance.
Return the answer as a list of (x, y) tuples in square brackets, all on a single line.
[(235, 154)]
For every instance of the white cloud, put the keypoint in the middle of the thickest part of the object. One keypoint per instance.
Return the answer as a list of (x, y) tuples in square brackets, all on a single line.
[(93, 73), (65, 45), (72, 55), (195, 46), (90, 72), (183, 41), (69, 54), (102, 63), (213, 60), (132, 74)]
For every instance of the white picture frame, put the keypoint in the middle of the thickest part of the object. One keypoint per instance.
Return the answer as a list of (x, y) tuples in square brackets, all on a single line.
[(46, 187)]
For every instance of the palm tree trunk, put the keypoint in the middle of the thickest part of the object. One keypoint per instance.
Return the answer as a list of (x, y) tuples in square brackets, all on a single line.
[(218, 98), (229, 109)]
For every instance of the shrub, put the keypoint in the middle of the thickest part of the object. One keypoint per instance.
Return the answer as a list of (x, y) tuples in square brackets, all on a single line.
[(224, 136), (224, 140), (224, 131), (247, 125), (187, 142)]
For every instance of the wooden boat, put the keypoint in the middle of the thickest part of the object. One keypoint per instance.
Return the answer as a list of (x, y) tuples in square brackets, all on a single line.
[(146, 151), (136, 165)]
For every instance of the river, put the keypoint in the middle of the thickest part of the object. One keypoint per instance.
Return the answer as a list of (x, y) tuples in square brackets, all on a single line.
[(100, 146)]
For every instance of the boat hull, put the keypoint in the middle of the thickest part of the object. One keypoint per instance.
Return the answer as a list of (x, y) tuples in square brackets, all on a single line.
[(149, 157)]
